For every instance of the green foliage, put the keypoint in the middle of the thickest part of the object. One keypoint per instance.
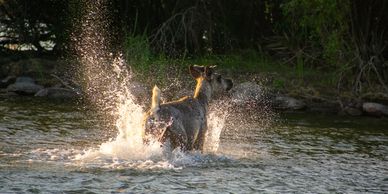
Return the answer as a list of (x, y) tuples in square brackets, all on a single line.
[(137, 50), (148, 66), (345, 40), (279, 84), (317, 28)]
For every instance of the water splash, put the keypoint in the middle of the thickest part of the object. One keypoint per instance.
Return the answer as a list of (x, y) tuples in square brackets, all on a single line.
[(218, 112), (106, 80), (127, 117)]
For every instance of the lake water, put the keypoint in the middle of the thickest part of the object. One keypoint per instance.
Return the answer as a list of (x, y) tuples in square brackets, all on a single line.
[(50, 147)]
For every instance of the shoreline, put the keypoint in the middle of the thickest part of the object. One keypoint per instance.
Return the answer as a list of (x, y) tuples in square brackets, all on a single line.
[(40, 78)]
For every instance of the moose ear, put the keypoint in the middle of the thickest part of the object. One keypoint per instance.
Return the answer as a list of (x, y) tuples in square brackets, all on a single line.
[(196, 71), (209, 70)]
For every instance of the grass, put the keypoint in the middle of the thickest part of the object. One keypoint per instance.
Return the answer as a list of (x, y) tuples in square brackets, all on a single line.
[(245, 65), (254, 68)]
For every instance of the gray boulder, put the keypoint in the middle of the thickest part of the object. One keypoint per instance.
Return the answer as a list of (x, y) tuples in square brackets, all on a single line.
[(24, 79), (57, 93), (352, 111), (7, 81), (375, 109), (24, 86), (288, 103), (8, 94)]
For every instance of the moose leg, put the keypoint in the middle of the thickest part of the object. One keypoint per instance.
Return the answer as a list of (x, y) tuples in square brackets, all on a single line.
[(200, 141), (178, 136)]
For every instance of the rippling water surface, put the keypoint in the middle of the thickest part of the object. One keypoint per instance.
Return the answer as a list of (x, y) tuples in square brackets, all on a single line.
[(55, 147)]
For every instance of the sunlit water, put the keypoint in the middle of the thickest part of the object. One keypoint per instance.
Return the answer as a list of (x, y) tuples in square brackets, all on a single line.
[(55, 147)]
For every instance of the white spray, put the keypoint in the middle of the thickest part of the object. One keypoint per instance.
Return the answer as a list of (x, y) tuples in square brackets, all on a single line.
[(106, 83)]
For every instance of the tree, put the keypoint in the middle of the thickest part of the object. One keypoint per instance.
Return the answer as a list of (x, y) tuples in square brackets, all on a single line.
[(29, 24)]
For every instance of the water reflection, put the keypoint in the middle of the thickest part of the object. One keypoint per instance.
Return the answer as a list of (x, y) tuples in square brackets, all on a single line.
[(303, 154)]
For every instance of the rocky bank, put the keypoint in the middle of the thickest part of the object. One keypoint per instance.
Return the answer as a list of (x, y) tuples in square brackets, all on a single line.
[(30, 82)]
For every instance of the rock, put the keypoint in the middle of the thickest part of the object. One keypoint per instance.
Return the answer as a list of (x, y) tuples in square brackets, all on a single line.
[(352, 111), (57, 93), (42, 93), (288, 103), (8, 94), (24, 86), (246, 92), (375, 109), (7, 81), (24, 79)]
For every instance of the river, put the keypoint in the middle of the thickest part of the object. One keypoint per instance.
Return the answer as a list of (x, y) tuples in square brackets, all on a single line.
[(50, 147)]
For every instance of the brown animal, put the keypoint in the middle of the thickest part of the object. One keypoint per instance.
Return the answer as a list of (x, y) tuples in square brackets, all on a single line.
[(183, 122)]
